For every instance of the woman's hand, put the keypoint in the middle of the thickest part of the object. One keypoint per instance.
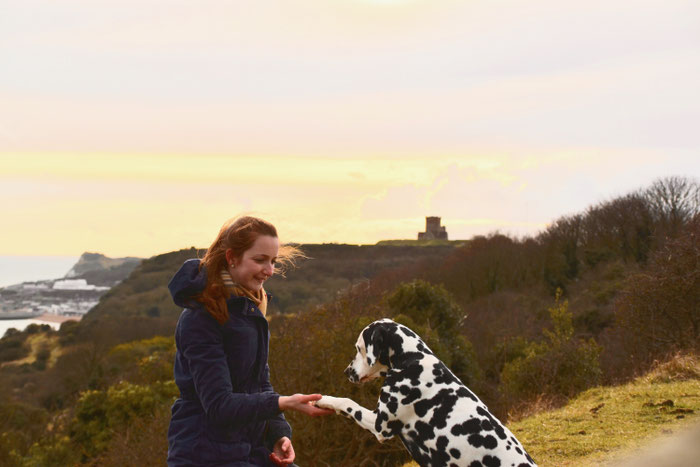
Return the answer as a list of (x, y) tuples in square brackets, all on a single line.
[(283, 452), (303, 403)]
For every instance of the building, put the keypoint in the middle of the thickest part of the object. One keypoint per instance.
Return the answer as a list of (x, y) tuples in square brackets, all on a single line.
[(433, 230)]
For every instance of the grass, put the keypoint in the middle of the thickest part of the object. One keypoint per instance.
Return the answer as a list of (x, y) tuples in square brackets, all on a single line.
[(606, 424), (603, 423)]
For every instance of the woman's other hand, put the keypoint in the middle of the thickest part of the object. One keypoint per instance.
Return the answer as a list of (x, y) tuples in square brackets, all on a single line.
[(303, 403), (283, 452)]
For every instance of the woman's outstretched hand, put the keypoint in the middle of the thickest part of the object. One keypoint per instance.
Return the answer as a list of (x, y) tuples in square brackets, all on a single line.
[(303, 403)]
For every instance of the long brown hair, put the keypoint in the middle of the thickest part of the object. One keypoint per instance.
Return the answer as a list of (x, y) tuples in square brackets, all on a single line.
[(238, 234)]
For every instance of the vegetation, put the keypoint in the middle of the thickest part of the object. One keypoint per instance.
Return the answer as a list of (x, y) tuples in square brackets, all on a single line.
[(556, 366), (98, 392)]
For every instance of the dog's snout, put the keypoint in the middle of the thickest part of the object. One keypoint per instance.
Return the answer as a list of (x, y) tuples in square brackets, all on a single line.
[(348, 372)]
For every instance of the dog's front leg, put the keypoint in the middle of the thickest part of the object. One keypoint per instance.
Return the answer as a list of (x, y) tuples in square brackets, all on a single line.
[(351, 409)]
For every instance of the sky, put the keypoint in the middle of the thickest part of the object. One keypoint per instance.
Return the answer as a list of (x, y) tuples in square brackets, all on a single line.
[(134, 128)]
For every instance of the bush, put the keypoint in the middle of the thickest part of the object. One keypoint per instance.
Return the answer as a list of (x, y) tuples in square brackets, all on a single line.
[(99, 414), (658, 311), (559, 365)]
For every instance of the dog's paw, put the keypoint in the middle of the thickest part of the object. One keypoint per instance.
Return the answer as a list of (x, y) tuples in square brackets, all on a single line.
[(328, 402)]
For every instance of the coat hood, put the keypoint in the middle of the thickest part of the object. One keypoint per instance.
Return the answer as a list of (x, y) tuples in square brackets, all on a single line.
[(188, 281)]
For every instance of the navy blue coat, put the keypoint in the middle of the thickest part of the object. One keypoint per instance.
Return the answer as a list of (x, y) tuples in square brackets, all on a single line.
[(227, 413)]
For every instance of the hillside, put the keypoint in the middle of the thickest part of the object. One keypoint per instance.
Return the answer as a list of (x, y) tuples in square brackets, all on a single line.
[(329, 269), (98, 269)]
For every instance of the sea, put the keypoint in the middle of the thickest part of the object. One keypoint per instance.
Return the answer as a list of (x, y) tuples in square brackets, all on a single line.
[(15, 269), (18, 269), (20, 324)]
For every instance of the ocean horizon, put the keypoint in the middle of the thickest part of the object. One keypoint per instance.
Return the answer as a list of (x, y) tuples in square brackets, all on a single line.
[(18, 269)]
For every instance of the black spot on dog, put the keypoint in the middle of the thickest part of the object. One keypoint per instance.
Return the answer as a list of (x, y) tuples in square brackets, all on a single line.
[(381, 417), (488, 441), (491, 461), (455, 453), (471, 426), (412, 395), (443, 375), (476, 464), (518, 450), (394, 427), (464, 392), (444, 408), (498, 428), (439, 456), (424, 430), (523, 464), (393, 405), (349, 410), (413, 372), (527, 456), (358, 416)]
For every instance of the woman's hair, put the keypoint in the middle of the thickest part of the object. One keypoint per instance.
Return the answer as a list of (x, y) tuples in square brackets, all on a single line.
[(238, 234)]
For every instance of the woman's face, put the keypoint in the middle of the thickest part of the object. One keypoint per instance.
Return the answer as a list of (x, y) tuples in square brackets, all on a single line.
[(257, 263)]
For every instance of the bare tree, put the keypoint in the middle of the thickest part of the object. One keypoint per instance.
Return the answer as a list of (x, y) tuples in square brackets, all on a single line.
[(674, 202)]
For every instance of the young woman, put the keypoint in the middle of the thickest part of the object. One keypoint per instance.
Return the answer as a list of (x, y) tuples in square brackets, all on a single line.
[(228, 413)]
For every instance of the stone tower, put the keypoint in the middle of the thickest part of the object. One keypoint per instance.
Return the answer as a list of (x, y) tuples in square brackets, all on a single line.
[(433, 230)]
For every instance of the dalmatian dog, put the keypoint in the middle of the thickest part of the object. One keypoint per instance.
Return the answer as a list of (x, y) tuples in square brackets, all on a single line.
[(440, 421)]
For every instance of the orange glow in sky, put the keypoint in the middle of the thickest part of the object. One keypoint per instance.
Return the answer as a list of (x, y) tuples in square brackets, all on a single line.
[(137, 128)]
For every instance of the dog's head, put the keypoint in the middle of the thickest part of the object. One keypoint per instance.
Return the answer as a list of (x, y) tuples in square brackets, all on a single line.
[(377, 346)]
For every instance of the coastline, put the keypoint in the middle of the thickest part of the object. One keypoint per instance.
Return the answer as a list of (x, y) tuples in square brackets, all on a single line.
[(58, 319)]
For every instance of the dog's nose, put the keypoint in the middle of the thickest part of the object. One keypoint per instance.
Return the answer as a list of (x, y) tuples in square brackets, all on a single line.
[(348, 372)]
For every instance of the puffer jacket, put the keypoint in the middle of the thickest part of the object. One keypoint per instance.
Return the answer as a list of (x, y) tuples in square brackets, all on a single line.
[(227, 413)]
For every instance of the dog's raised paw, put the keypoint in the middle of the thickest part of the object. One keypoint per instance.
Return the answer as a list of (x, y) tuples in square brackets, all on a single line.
[(327, 402)]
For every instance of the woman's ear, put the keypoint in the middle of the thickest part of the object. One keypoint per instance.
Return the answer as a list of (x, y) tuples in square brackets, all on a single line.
[(230, 257)]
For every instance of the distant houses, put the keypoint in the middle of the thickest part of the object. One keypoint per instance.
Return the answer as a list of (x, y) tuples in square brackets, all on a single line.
[(433, 230)]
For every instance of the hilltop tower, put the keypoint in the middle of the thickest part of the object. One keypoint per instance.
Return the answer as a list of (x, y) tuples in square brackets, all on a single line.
[(433, 230)]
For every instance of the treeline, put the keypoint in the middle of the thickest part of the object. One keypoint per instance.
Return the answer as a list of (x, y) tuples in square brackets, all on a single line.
[(594, 298)]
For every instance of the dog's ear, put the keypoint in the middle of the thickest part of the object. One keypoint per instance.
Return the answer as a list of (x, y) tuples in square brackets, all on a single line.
[(379, 339)]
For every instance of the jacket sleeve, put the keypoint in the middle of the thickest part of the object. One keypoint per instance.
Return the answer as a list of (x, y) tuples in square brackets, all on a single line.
[(201, 343), (278, 425)]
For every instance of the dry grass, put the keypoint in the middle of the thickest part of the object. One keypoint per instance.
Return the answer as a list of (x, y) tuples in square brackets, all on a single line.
[(679, 368)]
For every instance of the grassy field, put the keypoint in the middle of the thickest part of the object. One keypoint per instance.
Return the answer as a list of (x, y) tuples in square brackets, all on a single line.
[(606, 424)]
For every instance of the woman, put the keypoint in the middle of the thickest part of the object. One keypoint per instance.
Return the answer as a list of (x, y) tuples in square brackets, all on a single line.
[(227, 412)]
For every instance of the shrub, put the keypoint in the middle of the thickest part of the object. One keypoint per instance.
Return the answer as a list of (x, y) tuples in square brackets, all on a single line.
[(99, 414), (559, 365), (658, 311)]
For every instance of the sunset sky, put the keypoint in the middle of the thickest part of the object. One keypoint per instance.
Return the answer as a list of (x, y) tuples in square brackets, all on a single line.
[(137, 127)]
